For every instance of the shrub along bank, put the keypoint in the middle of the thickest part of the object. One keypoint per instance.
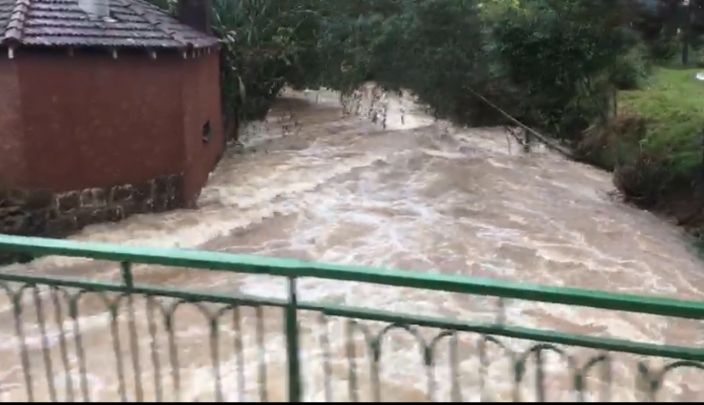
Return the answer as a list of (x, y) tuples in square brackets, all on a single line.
[(655, 145)]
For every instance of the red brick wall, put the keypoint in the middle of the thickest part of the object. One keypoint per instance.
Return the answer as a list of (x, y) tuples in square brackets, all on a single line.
[(91, 121), (201, 103), (12, 164)]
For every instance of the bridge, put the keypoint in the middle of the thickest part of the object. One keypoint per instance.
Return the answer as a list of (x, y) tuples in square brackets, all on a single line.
[(55, 340)]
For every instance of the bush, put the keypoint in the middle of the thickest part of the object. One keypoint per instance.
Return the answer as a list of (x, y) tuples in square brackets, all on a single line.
[(265, 45), (632, 69), (643, 181), (614, 144), (669, 153), (665, 49)]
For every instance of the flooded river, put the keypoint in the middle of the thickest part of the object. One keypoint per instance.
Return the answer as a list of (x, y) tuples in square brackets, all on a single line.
[(317, 182)]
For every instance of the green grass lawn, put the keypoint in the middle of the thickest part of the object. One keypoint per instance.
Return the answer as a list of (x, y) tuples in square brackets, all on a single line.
[(672, 103)]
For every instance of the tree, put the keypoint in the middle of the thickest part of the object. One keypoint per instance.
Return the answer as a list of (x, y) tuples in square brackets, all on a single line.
[(431, 47), (553, 63), (692, 25), (562, 55), (670, 26)]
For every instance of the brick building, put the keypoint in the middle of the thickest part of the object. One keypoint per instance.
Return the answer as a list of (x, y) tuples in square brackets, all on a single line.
[(107, 108)]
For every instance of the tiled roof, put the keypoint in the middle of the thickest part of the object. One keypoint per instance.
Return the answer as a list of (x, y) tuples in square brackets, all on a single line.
[(133, 23)]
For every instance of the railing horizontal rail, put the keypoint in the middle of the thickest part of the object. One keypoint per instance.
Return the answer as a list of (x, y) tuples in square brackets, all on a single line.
[(592, 342), (398, 278)]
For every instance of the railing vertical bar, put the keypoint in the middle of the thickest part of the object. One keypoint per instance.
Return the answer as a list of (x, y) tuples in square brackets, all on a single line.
[(518, 371), (215, 357), (376, 356), (239, 353), (134, 343), (80, 352), (579, 386), (173, 356), (481, 345), (607, 377), (455, 392), (117, 348), (539, 376), (59, 317), (642, 382), (429, 360), (46, 354), (294, 367), (325, 346), (19, 330), (154, 349), (263, 386), (653, 385), (351, 357)]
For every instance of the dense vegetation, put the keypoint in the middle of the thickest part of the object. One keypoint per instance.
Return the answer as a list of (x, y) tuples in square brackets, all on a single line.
[(589, 73), (554, 64)]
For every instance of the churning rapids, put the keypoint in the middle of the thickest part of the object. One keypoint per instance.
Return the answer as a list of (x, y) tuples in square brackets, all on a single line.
[(317, 182)]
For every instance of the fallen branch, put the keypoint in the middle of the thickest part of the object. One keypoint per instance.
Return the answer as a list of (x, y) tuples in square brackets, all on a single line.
[(551, 143)]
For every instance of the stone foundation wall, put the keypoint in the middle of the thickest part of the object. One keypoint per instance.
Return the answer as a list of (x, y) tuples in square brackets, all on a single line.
[(43, 213)]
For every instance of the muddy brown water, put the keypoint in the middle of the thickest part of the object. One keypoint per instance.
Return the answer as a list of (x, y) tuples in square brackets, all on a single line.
[(320, 184)]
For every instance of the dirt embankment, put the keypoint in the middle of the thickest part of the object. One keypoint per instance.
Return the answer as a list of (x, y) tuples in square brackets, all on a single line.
[(686, 207), (645, 179)]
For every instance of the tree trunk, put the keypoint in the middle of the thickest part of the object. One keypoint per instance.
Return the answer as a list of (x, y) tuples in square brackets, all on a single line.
[(687, 33), (702, 169), (231, 124), (685, 50)]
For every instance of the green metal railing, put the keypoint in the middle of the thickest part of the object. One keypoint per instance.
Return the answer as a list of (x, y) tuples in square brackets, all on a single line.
[(63, 340)]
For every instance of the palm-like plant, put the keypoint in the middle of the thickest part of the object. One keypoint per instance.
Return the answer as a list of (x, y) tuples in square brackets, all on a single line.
[(262, 41)]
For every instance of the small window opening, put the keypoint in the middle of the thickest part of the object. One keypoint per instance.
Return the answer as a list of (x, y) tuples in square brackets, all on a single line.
[(207, 132)]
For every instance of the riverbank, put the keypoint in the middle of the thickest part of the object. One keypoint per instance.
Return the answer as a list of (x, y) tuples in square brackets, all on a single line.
[(654, 146)]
